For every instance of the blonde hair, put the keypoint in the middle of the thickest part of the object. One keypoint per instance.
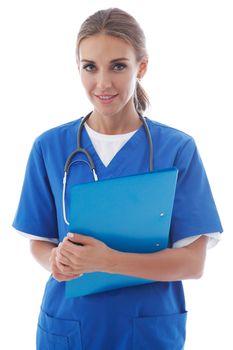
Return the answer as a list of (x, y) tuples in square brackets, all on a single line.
[(120, 24)]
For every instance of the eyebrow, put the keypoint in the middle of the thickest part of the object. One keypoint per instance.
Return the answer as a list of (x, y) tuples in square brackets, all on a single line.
[(112, 61)]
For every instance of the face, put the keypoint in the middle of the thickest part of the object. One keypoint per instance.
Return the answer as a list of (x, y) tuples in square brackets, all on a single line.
[(109, 70)]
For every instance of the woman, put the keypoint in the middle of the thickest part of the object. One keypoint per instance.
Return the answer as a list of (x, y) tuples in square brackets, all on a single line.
[(112, 58)]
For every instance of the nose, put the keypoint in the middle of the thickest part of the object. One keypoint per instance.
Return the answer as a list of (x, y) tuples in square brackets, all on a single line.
[(103, 81)]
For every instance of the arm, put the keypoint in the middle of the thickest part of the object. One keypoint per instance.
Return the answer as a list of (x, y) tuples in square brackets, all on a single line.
[(41, 251), (45, 254), (166, 265)]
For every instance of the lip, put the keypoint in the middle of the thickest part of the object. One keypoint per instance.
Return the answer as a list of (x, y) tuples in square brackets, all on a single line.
[(106, 101)]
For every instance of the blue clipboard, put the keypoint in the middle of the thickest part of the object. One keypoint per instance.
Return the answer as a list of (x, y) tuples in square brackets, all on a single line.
[(129, 214)]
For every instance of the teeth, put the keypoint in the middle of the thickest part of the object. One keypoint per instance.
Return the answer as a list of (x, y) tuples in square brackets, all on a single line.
[(105, 97)]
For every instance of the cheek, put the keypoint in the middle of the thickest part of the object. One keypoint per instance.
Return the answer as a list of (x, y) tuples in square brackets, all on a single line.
[(86, 82), (129, 85)]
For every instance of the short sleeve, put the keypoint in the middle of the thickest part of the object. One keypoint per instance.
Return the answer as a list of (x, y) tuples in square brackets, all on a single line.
[(194, 210), (36, 213)]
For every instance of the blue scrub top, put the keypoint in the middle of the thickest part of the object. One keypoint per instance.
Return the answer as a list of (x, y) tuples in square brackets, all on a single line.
[(141, 317)]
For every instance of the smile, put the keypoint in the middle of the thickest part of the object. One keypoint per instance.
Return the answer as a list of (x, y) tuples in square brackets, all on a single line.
[(106, 98)]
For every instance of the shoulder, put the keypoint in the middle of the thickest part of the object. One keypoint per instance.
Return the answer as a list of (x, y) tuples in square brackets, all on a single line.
[(56, 134), (163, 130), (171, 137), (59, 130)]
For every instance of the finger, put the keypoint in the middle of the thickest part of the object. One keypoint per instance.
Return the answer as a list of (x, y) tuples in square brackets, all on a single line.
[(71, 255), (73, 242), (64, 269), (81, 239), (66, 248), (69, 269), (69, 247), (60, 277), (67, 263), (65, 260)]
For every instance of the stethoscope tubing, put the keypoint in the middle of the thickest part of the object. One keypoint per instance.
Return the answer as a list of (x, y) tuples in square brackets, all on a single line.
[(90, 161)]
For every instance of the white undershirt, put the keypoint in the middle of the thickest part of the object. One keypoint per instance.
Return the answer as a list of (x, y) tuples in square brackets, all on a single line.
[(106, 147)]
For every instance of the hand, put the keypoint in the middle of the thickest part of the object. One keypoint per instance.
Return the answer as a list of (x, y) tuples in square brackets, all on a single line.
[(93, 255), (56, 271)]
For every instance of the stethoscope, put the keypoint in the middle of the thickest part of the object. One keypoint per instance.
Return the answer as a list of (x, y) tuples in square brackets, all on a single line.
[(90, 162)]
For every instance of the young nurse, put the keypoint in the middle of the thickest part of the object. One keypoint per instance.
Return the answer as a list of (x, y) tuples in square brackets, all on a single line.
[(112, 59)]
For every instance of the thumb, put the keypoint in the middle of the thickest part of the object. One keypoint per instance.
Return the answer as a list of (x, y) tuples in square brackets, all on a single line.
[(80, 239)]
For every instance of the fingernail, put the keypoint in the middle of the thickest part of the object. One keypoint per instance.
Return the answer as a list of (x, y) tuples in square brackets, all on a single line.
[(70, 234)]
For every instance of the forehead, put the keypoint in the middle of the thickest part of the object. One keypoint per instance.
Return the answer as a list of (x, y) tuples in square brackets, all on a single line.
[(101, 46)]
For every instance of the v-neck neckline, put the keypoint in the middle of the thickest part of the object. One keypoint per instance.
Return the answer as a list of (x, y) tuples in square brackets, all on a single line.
[(112, 169)]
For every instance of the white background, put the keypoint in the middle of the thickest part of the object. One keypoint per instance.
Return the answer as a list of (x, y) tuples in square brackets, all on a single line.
[(190, 84)]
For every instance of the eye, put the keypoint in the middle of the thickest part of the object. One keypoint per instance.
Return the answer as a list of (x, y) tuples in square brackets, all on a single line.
[(89, 67), (119, 66)]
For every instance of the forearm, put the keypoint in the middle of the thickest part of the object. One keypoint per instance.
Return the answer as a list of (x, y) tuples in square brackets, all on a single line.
[(41, 250), (166, 265)]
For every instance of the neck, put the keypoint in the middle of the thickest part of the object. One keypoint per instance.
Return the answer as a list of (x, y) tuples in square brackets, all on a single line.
[(113, 125)]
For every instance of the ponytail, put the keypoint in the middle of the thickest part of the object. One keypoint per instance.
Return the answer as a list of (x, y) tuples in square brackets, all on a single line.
[(141, 100)]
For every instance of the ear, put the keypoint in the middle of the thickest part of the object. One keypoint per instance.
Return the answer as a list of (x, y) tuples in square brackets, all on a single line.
[(142, 68)]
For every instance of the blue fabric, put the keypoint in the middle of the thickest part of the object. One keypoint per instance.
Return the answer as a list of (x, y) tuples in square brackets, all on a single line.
[(140, 317)]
